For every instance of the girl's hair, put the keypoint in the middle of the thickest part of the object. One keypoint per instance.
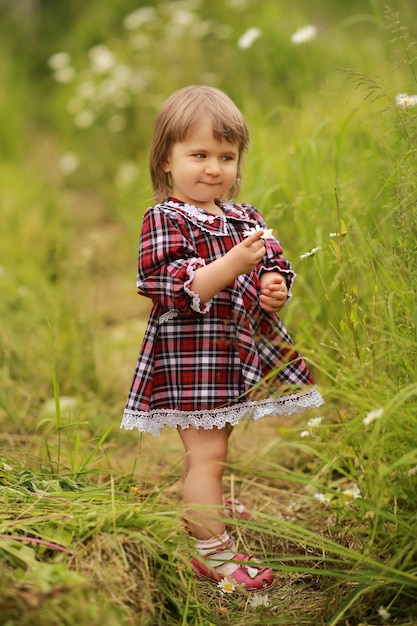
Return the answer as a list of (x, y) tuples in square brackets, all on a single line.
[(185, 109)]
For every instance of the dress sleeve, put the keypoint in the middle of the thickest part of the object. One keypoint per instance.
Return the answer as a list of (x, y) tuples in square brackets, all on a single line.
[(273, 260), (167, 262)]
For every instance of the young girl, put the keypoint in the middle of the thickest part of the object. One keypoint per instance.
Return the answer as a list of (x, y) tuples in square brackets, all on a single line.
[(214, 352)]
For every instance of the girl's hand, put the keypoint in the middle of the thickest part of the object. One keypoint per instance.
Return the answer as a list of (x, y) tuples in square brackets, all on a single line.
[(274, 292), (245, 256)]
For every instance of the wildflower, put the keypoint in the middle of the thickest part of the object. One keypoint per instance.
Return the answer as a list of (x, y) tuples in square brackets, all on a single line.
[(371, 416), (59, 60), (226, 585), (64, 74), (139, 17), (383, 613), (134, 489), (257, 228), (352, 493), (102, 59), (322, 497), (305, 433), (85, 118), (126, 175), (259, 600), (342, 233), (412, 471), (311, 253), (304, 34), (248, 38), (314, 422), (68, 163), (406, 101)]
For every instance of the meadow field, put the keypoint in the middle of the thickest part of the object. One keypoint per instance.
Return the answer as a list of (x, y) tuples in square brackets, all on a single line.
[(90, 516)]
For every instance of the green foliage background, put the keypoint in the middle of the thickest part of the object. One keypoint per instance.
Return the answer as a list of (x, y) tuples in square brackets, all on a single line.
[(332, 167)]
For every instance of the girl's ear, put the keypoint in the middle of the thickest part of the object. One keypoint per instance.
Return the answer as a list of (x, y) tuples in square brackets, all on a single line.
[(166, 165)]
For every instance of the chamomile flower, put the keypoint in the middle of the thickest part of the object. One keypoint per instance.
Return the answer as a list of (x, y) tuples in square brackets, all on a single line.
[(257, 228), (322, 497), (314, 422), (226, 585), (406, 101), (371, 416), (383, 613), (352, 493), (304, 34), (311, 253), (248, 38), (259, 599)]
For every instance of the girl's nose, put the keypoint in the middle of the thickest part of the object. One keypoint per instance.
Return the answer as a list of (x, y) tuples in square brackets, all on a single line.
[(213, 167)]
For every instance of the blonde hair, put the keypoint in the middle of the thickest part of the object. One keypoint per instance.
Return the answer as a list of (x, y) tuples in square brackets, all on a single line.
[(185, 109)]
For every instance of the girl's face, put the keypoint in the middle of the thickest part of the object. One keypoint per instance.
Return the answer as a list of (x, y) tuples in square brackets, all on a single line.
[(202, 168)]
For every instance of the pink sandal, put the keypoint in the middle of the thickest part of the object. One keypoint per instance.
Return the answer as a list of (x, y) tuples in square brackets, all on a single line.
[(247, 575), (234, 508)]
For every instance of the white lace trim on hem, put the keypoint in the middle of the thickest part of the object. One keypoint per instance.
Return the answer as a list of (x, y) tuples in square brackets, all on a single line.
[(153, 421)]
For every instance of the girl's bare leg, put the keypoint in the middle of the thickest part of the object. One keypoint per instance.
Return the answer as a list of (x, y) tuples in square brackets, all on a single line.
[(206, 454)]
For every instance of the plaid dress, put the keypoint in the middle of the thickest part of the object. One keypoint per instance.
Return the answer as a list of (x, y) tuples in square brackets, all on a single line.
[(214, 363)]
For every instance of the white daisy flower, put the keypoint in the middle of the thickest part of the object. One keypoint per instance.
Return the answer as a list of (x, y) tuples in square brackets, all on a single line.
[(311, 253), (383, 613), (226, 585), (259, 599), (352, 493), (68, 163), (314, 422), (248, 38), (59, 60), (371, 416), (304, 34), (322, 497), (257, 228), (406, 101)]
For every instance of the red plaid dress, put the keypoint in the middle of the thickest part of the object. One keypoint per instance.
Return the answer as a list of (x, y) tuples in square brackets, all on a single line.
[(214, 363)]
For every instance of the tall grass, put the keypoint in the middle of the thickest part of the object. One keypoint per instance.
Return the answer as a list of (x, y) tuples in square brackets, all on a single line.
[(87, 533)]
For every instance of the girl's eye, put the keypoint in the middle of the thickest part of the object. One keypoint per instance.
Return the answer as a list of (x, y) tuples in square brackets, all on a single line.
[(200, 155)]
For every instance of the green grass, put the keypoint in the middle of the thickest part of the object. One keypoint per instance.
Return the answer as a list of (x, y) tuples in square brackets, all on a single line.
[(90, 529)]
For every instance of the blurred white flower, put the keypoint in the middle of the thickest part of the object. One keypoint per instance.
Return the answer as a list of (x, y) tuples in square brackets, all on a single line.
[(257, 228), (304, 433), (371, 416), (67, 404), (59, 60), (383, 613), (69, 163), (311, 253), (322, 497), (237, 4), (141, 16), (406, 101), (353, 492), (304, 34), (342, 233), (259, 599), (102, 59), (248, 38), (85, 118), (65, 74), (127, 173), (412, 471), (226, 585), (184, 18), (314, 422)]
